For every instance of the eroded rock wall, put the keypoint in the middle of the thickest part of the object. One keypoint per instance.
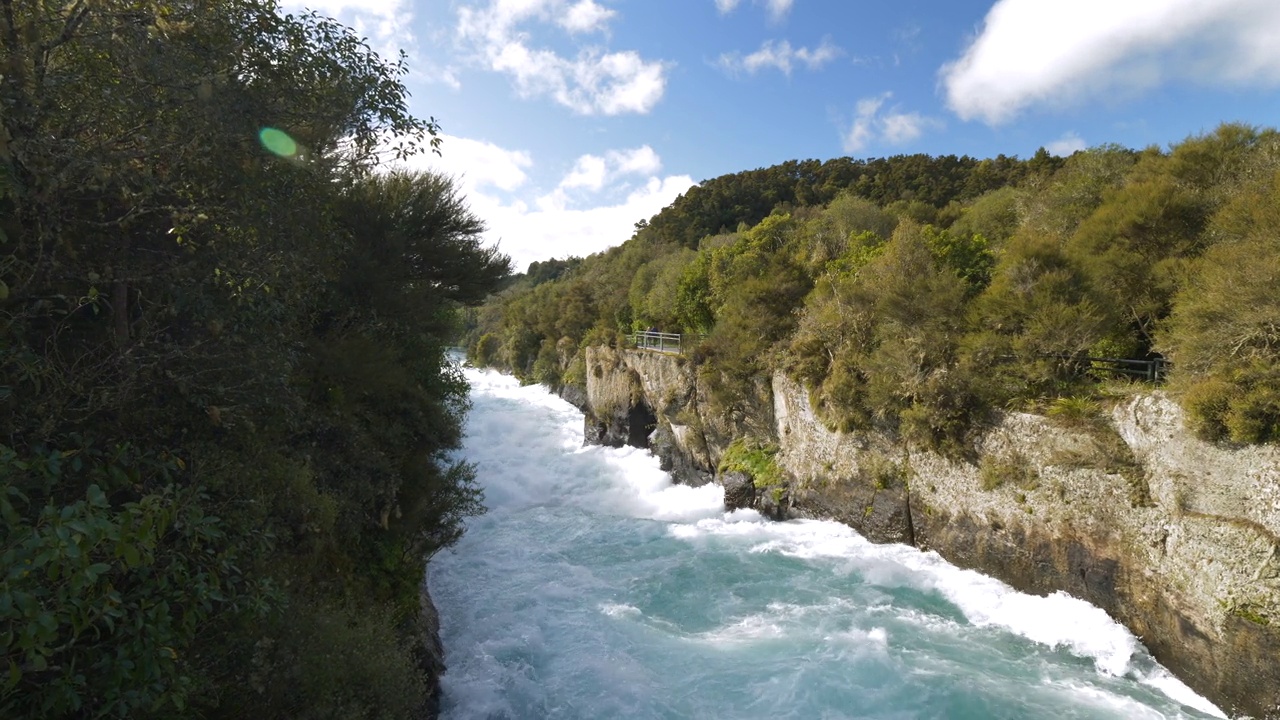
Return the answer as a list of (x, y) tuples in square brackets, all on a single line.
[(1176, 538)]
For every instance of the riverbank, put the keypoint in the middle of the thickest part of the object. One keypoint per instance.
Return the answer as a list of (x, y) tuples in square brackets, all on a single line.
[(1174, 537)]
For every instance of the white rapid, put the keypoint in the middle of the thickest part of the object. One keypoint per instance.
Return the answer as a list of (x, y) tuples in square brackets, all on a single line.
[(595, 588)]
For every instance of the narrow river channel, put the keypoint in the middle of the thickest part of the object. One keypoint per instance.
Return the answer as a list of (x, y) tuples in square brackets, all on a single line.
[(594, 588)]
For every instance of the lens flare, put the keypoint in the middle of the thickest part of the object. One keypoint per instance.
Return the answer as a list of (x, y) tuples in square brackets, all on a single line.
[(278, 142)]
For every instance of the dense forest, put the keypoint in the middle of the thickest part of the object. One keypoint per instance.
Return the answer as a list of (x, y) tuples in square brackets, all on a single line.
[(226, 411), (921, 295)]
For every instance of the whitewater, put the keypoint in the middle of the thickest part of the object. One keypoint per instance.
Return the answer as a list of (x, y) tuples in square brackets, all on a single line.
[(594, 587)]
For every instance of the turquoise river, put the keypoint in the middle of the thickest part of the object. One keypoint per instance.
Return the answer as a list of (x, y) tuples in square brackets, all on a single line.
[(595, 588)]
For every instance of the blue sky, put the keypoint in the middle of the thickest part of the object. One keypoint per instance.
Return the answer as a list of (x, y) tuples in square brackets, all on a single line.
[(566, 121)]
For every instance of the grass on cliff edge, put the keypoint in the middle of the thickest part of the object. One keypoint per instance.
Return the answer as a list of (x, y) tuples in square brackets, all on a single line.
[(754, 459)]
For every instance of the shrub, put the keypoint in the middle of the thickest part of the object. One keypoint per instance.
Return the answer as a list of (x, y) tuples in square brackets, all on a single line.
[(754, 459), (1074, 412), (1253, 415), (1206, 402), (101, 601), (546, 368), (319, 661), (485, 351)]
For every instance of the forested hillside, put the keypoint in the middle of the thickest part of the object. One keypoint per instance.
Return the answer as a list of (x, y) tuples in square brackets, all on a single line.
[(918, 295), (225, 407)]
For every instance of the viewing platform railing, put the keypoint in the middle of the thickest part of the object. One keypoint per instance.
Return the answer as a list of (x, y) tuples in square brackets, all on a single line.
[(659, 341), (1155, 370)]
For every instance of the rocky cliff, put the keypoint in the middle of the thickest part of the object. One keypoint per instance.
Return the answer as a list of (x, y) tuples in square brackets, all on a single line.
[(430, 651), (1176, 538)]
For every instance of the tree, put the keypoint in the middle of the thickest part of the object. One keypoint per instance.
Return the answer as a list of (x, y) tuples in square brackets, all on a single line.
[(1223, 333), (206, 304)]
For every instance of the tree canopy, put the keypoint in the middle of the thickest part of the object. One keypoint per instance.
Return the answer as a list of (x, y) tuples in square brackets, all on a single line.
[(920, 294), (226, 411)]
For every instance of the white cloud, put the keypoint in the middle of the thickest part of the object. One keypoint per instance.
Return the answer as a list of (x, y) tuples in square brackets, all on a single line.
[(899, 128), (782, 56), (594, 206), (554, 230), (332, 8), (892, 127), (478, 164), (586, 16), (1056, 52), (594, 172), (595, 82), (588, 172), (1066, 145), (861, 133), (642, 160), (778, 9), (388, 26)]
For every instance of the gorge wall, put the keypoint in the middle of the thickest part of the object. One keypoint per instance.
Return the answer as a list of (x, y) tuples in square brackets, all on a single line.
[(1174, 537)]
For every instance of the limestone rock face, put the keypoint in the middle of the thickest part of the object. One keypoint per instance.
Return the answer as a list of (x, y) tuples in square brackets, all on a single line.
[(739, 490), (839, 476), (1176, 538), (430, 651), (576, 395)]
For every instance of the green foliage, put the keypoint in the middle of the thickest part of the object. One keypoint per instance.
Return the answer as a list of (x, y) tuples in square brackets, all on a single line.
[(101, 600), (969, 257), (889, 333), (224, 395), (655, 293), (1074, 412), (1130, 247), (1036, 321), (1077, 189), (548, 270), (693, 309), (546, 368), (914, 294), (485, 351), (994, 216), (757, 312), (847, 223), (754, 459), (861, 249), (333, 662), (1223, 336), (1243, 406)]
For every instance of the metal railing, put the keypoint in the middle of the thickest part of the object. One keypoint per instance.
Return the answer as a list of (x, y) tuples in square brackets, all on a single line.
[(1155, 370), (1151, 370), (659, 341)]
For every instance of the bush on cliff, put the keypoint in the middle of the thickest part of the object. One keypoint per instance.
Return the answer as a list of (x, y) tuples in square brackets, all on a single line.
[(755, 460)]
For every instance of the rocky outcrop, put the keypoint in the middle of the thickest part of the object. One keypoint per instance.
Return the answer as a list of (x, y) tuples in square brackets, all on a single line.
[(430, 651), (1176, 538)]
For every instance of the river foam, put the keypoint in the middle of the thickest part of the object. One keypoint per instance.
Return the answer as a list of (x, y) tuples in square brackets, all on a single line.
[(597, 588)]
